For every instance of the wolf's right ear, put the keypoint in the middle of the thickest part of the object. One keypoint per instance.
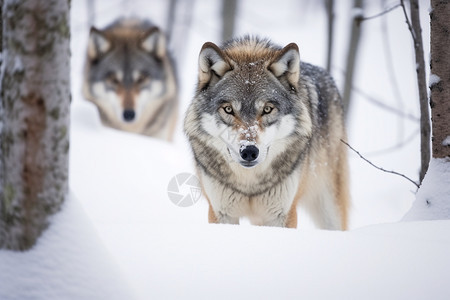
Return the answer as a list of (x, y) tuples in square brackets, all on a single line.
[(211, 65), (98, 44)]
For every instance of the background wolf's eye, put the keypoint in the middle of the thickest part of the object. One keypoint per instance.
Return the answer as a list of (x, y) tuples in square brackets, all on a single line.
[(267, 110), (112, 78), (229, 110)]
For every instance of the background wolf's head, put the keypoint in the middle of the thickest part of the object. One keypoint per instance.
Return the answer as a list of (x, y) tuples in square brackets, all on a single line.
[(125, 70)]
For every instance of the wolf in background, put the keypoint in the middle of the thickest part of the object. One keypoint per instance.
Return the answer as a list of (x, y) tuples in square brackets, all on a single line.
[(129, 75), (265, 132)]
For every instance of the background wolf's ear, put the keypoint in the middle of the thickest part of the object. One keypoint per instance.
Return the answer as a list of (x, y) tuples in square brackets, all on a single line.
[(154, 42), (211, 65), (287, 65), (98, 44)]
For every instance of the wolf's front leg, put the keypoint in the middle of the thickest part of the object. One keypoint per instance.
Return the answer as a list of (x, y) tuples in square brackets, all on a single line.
[(220, 218), (224, 203)]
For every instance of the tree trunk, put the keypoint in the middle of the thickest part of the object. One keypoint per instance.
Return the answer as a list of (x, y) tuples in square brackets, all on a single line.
[(352, 53), (423, 96), (329, 4), (90, 5), (228, 18), (440, 78), (34, 118), (171, 18)]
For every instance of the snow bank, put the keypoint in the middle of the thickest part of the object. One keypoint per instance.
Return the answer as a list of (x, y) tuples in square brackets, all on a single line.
[(68, 262), (392, 261), (433, 197)]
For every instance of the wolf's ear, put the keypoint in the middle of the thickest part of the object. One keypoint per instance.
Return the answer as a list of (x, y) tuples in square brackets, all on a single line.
[(287, 65), (211, 65), (98, 44), (154, 42)]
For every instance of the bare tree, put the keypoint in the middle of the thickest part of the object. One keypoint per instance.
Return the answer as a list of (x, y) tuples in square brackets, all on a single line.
[(229, 8), (355, 33), (425, 128), (329, 5), (90, 5), (171, 18), (34, 118), (440, 78)]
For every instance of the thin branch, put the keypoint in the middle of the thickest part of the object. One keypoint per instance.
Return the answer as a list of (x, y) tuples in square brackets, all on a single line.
[(381, 169), (381, 13), (395, 147), (379, 103), (402, 3)]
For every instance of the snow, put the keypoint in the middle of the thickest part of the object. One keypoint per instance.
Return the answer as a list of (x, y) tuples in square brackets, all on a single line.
[(119, 236), (446, 141), (68, 262), (434, 79), (433, 197)]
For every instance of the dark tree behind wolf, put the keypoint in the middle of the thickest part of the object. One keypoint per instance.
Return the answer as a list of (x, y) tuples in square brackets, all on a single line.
[(34, 118), (287, 120)]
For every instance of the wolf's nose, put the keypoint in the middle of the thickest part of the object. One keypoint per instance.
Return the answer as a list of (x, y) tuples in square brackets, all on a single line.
[(128, 115), (249, 153)]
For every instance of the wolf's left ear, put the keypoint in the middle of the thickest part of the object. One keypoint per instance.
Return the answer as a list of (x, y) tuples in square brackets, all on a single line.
[(154, 42), (212, 65), (287, 65), (98, 44)]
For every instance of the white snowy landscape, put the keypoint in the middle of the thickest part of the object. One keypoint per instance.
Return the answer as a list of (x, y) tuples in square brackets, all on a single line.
[(120, 237)]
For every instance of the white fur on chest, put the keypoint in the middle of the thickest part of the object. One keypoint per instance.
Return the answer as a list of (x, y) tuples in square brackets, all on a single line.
[(269, 208)]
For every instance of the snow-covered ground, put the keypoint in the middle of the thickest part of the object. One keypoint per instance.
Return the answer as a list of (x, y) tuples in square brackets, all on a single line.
[(120, 237)]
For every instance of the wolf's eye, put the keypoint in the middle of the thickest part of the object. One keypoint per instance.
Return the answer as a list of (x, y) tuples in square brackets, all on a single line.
[(141, 79), (267, 110), (229, 110), (112, 78)]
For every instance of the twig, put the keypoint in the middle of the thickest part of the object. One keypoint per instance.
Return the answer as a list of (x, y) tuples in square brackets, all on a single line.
[(381, 169), (402, 3), (389, 108), (380, 14)]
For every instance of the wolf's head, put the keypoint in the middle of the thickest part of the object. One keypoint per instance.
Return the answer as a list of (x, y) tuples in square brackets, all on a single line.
[(125, 70), (248, 99)]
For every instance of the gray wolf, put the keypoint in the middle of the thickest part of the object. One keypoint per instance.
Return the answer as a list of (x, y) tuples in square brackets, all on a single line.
[(265, 133), (129, 75)]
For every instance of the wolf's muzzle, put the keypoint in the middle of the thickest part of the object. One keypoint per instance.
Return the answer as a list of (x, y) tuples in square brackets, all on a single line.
[(249, 153)]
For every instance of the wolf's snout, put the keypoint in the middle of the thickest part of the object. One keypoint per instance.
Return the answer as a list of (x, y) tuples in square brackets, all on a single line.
[(249, 153), (129, 115)]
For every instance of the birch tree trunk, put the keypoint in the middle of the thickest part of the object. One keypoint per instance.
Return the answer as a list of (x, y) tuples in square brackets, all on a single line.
[(34, 118), (440, 78)]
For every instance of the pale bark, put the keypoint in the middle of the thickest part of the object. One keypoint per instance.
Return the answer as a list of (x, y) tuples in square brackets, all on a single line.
[(34, 113), (440, 67)]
